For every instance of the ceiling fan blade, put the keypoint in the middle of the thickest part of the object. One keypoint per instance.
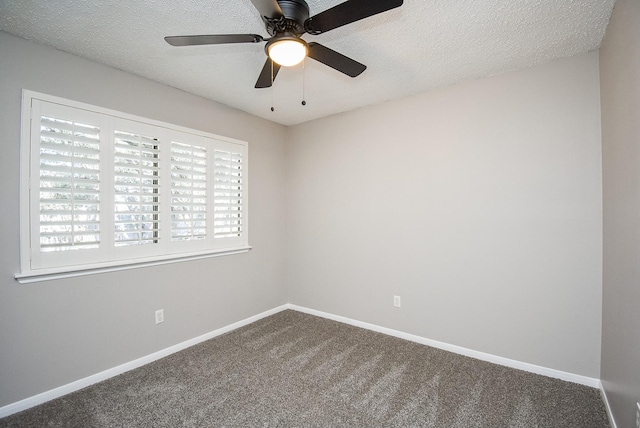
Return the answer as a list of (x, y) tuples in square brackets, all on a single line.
[(335, 60), (265, 80), (346, 13), (215, 39), (268, 8)]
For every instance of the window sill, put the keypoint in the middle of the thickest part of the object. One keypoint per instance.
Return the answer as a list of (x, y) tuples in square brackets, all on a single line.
[(40, 275)]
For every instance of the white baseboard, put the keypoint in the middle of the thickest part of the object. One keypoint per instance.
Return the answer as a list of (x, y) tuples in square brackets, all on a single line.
[(603, 394), (104, 375), (545, 371)]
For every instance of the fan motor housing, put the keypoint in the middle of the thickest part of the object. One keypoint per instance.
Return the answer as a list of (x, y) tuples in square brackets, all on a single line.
[(295, 13)]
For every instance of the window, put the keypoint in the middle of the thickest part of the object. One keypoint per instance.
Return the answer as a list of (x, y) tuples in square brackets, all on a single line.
[(228, 194), (136, 174), (69, 185), (188, 192), (103, 190)]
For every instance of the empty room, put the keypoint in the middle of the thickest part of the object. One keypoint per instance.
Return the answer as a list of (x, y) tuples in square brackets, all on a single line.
[(320, 213)]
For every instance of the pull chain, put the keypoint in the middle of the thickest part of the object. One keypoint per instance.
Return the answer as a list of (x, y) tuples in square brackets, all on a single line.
[(271, 61), (304, 103)]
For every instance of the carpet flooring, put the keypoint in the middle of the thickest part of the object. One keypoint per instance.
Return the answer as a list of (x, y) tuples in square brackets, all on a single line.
[(296, 370)]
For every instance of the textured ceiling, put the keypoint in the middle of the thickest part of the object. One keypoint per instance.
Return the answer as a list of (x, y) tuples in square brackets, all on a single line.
[(419, 46)]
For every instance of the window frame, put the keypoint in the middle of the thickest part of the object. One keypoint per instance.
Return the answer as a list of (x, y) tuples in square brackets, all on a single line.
[(123, 257)]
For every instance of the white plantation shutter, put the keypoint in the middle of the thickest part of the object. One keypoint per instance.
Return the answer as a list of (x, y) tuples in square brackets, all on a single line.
[(102, 189), (136, 189), (69, 185), (188, 192), (228, 193)]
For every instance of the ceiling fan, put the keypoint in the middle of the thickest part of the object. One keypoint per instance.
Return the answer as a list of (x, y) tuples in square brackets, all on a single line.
[(286, 21)]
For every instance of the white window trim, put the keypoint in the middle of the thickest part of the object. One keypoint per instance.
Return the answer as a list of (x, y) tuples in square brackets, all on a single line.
[(29, 275), (61, 273)]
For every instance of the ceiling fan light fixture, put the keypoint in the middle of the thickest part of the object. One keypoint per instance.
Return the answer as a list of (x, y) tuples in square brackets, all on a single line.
[(286, 21), (287, 51)]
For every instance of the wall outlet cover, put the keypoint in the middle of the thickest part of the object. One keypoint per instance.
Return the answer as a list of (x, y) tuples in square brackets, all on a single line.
[(396, 301), (159, 316)]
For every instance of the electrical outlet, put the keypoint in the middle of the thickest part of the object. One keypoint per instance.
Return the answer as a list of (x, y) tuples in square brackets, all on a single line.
[(638, 415), (396, 301), (159, 316)]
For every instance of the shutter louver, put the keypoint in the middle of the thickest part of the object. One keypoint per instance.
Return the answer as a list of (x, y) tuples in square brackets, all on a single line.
[(188, 192), (136, 175), (69, 211), (228, 194)]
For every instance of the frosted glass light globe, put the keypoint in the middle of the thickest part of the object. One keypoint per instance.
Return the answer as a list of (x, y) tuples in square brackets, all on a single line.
[(287, 52)]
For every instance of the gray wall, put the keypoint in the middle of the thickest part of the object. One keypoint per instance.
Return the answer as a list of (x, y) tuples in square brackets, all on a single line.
[(479, 204), (55, 332), (620, 92)]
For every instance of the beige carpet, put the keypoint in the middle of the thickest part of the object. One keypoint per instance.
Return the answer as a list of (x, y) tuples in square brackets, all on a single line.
[(297, 370)]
